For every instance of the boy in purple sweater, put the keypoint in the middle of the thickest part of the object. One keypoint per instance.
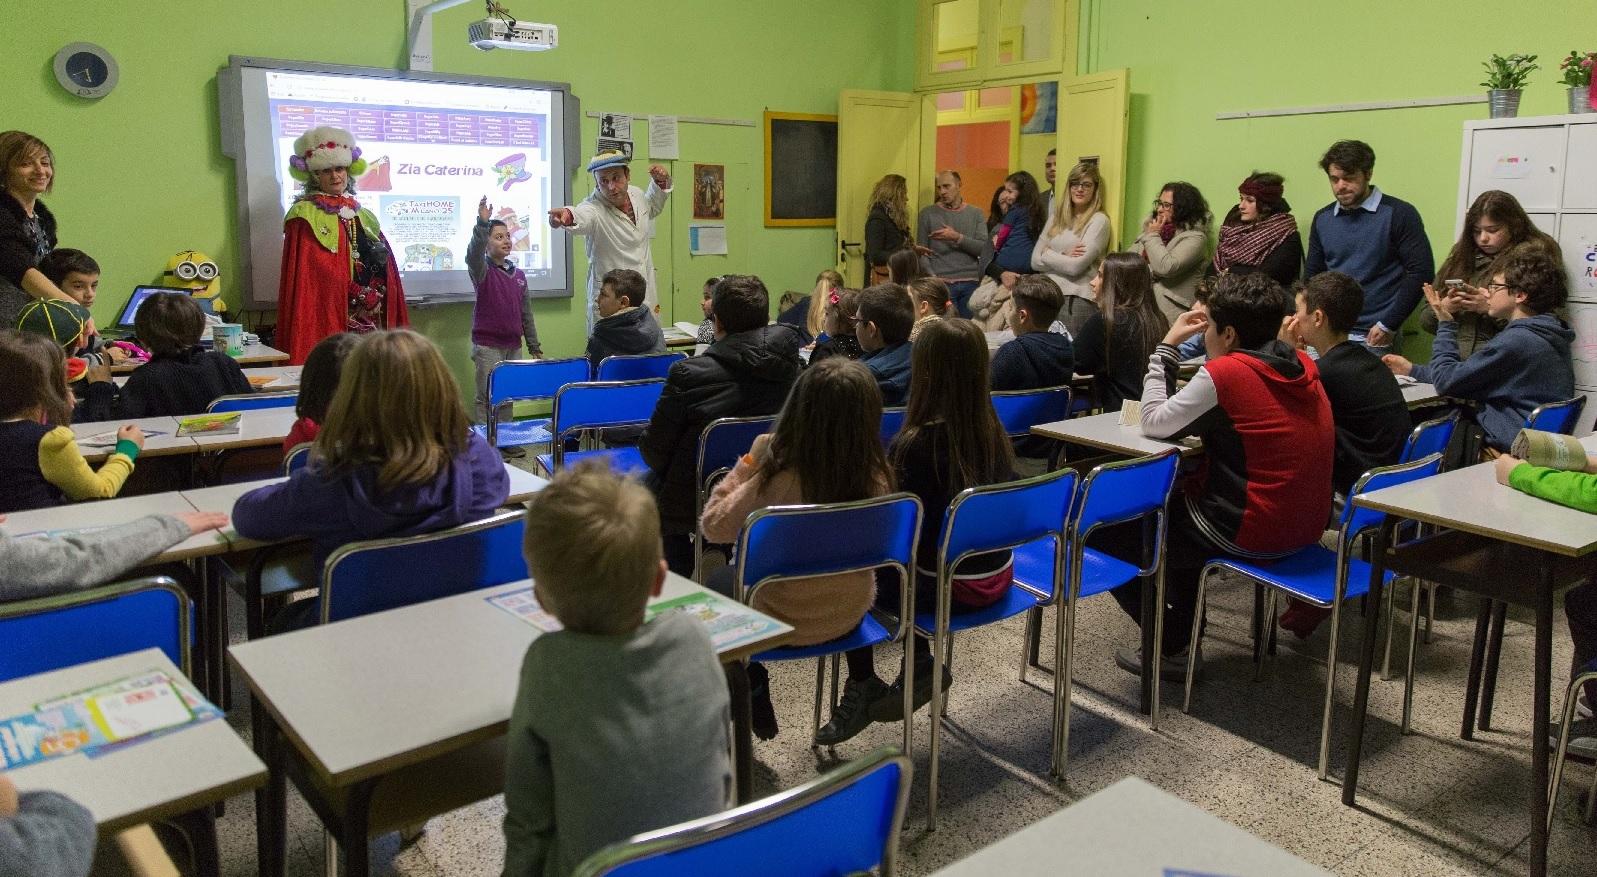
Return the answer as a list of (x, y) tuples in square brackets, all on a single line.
[(503, 313)]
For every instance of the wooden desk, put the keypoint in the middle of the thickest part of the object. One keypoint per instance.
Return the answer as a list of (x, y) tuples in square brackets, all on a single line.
[(121, 510), (162, 445), (1502, 545), (362, 698), (254, 354), (1104, 431), (175, 773), (1132, 828)]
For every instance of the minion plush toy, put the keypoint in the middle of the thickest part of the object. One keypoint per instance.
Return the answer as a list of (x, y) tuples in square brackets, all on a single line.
[(192, 269)]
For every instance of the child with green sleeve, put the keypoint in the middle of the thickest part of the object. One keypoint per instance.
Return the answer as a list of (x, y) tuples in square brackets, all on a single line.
[(1578, 490)]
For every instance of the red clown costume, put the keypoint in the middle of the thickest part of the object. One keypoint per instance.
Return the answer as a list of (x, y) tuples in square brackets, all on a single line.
[(338, 273)]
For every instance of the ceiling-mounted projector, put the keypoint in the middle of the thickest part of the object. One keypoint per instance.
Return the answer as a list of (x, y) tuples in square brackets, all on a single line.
[(523, 36)]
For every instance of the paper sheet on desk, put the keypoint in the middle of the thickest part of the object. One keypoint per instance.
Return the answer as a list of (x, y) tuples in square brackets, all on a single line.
[(108, 438)]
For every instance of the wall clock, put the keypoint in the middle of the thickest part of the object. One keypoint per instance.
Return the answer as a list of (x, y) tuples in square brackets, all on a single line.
[(85, 70)]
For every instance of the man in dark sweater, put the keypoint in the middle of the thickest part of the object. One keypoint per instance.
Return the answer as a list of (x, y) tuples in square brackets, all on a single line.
[(623, 328), (1372, 420), (747, 372), (1037, 358), (1376, 239)]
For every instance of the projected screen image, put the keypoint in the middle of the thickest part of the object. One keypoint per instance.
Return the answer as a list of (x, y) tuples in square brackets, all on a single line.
[(432, 149), (434, 144)]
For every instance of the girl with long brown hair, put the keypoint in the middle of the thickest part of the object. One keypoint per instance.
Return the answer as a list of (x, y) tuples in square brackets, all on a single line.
[(394, 457), (1114, 343), (826, 447), (1496, 228), (951, 440)]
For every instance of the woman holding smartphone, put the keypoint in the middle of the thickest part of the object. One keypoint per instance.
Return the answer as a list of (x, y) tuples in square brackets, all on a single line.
[(1495, 229)]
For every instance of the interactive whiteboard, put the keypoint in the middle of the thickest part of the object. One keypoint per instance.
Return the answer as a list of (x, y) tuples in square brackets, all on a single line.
[(434, 144)]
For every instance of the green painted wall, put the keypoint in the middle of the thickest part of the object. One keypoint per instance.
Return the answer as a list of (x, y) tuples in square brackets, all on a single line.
[(1189, 61), (140, 174)]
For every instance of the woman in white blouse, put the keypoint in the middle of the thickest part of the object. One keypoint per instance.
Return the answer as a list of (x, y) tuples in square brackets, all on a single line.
[(1074, 242)]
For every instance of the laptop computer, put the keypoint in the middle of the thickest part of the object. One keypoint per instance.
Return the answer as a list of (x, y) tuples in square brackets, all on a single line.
[(124, 321)]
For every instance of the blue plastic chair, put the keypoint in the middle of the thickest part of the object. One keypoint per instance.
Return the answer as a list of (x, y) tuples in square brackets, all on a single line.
[(600, 405), (525, 380), (297, 457), (892, 422), (846, 821), (1559, 417), (251, 402), (720, 445), (64, 630), (1020, 410), (994, 517), (637, 368), (366, 577), (1322, 578), (1113, 493), (1585, 674), (794, 542), (1430, 437)]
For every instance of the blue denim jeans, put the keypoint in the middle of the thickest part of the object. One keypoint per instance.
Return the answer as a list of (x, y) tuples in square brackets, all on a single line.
[(960, 291)]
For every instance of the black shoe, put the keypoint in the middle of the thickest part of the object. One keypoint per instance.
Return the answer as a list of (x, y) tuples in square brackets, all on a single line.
[(514, 452), (1172, 669), (762, 712), (890, 706), (853, 713)]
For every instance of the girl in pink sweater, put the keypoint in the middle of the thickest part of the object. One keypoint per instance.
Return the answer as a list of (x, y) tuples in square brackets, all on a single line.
[(826, 447)]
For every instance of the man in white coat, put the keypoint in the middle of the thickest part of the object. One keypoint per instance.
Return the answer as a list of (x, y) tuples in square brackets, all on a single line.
[(618, 221)]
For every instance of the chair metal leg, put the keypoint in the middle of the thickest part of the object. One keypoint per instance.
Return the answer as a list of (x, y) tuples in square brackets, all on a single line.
[(1158, 646), (1030, 641), (1408, 669), (1430, 610), (1494, 653), (1562, 751), (1268, 624), (1391, 613), (1197, 633), (1330, 691), (935, 715), (329, 853), (820, 691), (1472, 685), (837, 661), (1064, 653)]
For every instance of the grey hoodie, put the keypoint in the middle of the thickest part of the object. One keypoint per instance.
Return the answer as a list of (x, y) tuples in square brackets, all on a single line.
[(51, 836), (1525, 365), (42, 566)]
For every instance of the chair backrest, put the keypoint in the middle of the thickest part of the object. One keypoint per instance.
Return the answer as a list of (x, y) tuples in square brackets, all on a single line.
[(365, 577), (1356, 519), (251, 402), (846, 821), (726, 439), (1557, 417), (892, 422), (1125, 490), (637, 368), (1430, 437), (1020, 410), (528, 379), (297, 457), (600, 404), (998, 516), (786, 542), (67, 629)]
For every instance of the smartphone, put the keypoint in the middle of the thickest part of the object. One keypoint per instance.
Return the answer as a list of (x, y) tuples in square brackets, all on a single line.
[(1455, 284)]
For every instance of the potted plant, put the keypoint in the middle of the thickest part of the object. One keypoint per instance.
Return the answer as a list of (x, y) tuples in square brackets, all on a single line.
[(1576, 71), (1505, 81)]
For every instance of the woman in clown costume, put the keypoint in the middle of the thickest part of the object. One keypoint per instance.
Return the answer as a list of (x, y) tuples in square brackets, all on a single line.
[(338, 274)]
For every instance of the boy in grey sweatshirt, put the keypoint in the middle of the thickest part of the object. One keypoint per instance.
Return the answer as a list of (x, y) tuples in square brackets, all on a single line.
[(619, 726)]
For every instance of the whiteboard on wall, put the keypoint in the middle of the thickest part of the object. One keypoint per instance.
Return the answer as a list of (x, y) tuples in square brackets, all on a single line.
[(434, 143)]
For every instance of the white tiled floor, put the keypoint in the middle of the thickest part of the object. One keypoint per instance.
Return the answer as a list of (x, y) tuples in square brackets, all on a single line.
[(1430, 803)]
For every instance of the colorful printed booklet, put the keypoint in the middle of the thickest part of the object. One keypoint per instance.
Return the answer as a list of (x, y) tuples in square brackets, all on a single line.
[(209, 424), (730, 624), (93, 721)]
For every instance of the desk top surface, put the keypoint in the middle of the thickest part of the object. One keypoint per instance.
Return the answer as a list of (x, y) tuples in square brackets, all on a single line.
[(368, 695), (147, 780), (1104, 431), (1132, 827), (1470, 499), (113, 512), (254, 354)]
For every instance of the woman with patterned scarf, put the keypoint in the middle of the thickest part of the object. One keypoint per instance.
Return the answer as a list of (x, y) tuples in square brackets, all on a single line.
[(1260, 233)]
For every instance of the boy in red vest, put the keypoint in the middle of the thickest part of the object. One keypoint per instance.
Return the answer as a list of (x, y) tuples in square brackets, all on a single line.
[(1262, 489)]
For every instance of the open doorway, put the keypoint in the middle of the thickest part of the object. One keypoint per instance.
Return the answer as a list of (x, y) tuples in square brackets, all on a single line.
[(988, 133)]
